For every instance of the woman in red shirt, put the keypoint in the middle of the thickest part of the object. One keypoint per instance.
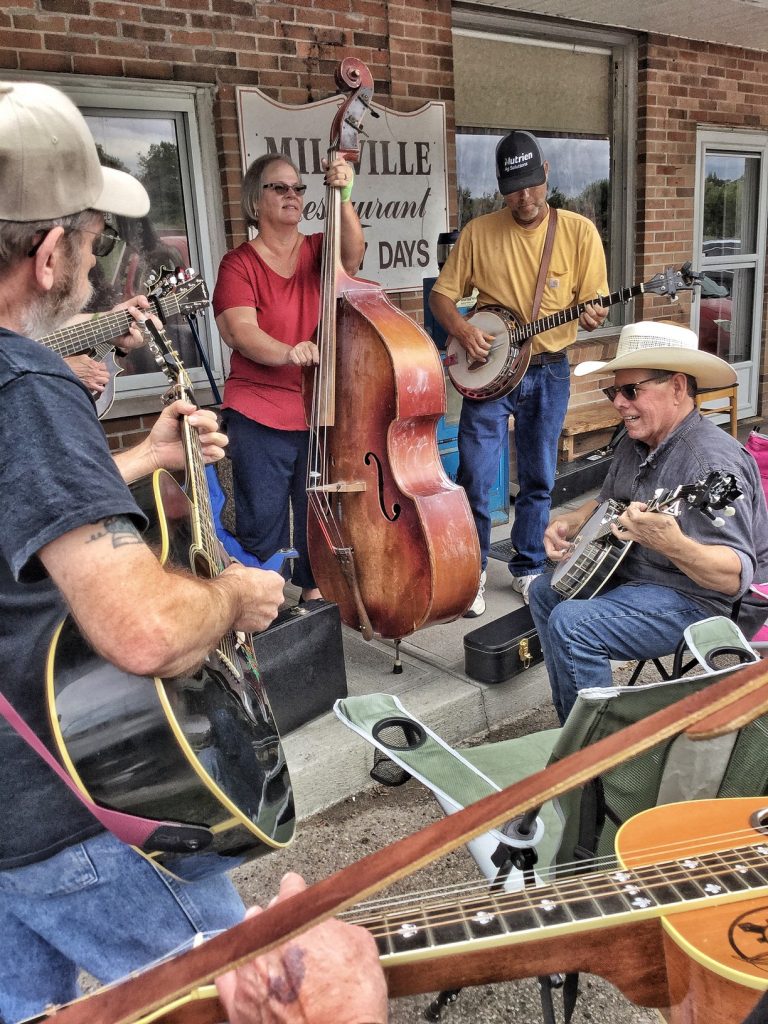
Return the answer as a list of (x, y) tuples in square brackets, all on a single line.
[(267, 302)]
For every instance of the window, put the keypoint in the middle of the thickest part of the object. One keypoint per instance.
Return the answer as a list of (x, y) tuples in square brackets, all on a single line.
[(162, 134), (730, 213), (562, 90)]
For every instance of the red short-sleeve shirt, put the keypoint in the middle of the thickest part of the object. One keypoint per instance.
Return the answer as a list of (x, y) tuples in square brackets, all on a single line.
[(288, 310)]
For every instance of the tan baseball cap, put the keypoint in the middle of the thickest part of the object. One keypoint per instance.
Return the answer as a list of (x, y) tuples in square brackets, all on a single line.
[(49, 165)]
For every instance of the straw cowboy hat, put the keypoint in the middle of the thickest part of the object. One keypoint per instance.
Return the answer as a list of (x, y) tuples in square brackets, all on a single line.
[(663, 346)]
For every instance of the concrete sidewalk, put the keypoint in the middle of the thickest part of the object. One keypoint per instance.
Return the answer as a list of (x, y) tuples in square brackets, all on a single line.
[(328, 762)]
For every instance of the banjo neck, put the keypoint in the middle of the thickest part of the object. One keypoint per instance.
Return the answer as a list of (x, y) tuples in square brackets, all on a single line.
[(564, 316)]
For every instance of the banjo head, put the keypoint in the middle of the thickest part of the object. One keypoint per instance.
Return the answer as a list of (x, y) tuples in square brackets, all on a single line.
[(482, 380), (593, 545)]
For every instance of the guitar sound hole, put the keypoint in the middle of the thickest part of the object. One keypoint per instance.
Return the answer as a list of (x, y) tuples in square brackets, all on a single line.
[(759, 820)]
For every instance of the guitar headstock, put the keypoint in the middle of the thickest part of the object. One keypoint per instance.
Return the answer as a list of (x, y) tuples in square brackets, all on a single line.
[(670, 281), (169, 361), (176, 292), (714, 494)]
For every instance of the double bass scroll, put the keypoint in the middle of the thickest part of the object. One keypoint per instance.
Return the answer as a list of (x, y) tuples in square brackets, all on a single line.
[(391, 538)]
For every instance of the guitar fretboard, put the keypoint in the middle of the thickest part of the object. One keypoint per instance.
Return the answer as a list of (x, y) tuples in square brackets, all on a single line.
[(578, 902), (565, 316), (101, 331)]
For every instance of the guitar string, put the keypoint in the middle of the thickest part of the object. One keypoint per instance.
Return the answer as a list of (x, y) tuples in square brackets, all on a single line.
[(550, 874), (67, 340), (349, 915), (324, 381), (200, 499), (631, 884)]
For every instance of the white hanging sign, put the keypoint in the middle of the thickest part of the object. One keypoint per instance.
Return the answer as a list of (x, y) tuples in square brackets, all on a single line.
[(401, 185)]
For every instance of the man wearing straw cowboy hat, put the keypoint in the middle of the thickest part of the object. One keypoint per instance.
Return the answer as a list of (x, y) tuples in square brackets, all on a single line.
[(679, 569)]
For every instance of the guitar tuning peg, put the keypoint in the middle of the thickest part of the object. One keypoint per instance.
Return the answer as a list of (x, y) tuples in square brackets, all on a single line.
[(729, 510), (718, 521)]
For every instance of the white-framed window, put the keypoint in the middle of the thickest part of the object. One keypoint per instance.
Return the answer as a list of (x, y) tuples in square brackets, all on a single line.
[(574, 90), (730, 208), (163, 135)]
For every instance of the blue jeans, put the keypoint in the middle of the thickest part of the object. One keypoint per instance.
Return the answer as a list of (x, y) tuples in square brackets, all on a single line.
[(579, 638), (539, 404), (98, 905), (269, 470)]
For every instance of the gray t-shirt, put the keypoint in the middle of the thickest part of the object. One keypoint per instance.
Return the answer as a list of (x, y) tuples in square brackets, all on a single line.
[(56, 474), (694, 449)]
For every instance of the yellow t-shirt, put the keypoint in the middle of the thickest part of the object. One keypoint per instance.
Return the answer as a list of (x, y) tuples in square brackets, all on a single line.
[(501, 259)]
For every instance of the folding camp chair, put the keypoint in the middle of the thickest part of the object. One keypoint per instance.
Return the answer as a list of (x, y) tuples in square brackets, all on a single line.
[(578, 829)]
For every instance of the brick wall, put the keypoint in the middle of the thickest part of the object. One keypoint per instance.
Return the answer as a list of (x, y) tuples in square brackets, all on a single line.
[(683, 85), (290, 51)]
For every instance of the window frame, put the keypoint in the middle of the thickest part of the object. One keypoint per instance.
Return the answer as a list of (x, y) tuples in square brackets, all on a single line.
[(191, 106), (712, 141)]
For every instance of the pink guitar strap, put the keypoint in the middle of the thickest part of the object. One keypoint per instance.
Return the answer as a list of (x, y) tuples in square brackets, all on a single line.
[(130, 828)]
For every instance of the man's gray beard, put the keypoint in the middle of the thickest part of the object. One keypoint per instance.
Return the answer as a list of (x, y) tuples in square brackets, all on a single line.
[(51, 311)]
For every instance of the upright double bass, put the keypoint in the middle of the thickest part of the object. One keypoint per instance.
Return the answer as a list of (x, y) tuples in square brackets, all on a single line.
[(391, 539)]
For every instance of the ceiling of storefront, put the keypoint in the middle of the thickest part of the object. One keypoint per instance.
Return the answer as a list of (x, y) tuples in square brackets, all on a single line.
[(735, 22)]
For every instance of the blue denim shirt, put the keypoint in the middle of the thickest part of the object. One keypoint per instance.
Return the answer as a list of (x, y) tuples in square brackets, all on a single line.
[(693, 450)]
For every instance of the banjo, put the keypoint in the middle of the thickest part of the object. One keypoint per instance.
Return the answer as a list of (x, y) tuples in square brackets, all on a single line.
[(510, 352), (597, 552)]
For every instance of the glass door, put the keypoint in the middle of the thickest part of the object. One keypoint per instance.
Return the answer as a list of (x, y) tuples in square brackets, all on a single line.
[(729, 239)]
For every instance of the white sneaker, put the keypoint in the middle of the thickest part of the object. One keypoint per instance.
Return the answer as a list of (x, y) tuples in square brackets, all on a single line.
[(522, 584), (478, 605)]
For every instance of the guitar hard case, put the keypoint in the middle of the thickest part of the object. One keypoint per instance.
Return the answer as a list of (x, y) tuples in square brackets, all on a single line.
[(301, 661), (502, 648)]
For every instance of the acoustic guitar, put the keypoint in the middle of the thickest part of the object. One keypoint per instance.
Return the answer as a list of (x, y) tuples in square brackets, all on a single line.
[(175, 293), (596, 552), (201, 748), (510, 353), (680, 923)]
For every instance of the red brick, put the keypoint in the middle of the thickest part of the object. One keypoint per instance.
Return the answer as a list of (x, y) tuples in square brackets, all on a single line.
[(66, 6), (31, 60), (86, 65), (148, 69)]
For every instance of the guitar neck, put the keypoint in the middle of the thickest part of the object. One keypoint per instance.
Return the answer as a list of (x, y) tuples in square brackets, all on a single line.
[(97, 334), (565, 316), (576, 904)]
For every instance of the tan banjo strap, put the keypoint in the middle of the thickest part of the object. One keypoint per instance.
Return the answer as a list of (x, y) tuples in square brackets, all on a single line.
[(546, 256)]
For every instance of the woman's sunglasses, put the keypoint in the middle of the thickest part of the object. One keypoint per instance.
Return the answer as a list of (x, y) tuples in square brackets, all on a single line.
[(282, 189), (629, 391)]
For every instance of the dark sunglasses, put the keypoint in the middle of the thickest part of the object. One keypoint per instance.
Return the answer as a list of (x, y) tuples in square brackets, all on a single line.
[(629, 391), (282, 189), (103, 243)]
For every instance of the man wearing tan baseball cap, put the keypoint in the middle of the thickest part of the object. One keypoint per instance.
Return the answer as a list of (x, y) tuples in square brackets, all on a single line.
[(72, 895)]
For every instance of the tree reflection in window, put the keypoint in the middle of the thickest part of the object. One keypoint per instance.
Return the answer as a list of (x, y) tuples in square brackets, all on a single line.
[(148, 148)]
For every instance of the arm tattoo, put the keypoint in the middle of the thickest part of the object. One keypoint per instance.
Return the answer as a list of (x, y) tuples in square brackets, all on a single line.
[(120, 529)]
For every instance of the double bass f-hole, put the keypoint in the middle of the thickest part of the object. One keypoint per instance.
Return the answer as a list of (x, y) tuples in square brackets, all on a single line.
[(372, 457)]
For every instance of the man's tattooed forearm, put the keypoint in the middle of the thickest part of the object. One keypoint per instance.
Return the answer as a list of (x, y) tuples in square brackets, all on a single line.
[(119, 528)]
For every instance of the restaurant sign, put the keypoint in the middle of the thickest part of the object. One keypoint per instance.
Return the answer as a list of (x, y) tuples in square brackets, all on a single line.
[(401, 186)]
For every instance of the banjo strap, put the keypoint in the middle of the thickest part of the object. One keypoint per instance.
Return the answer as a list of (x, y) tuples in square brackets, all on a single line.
[(546, 256)]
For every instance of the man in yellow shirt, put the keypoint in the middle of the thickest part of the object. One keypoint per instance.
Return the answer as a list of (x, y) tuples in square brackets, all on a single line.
[(500, 255)]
